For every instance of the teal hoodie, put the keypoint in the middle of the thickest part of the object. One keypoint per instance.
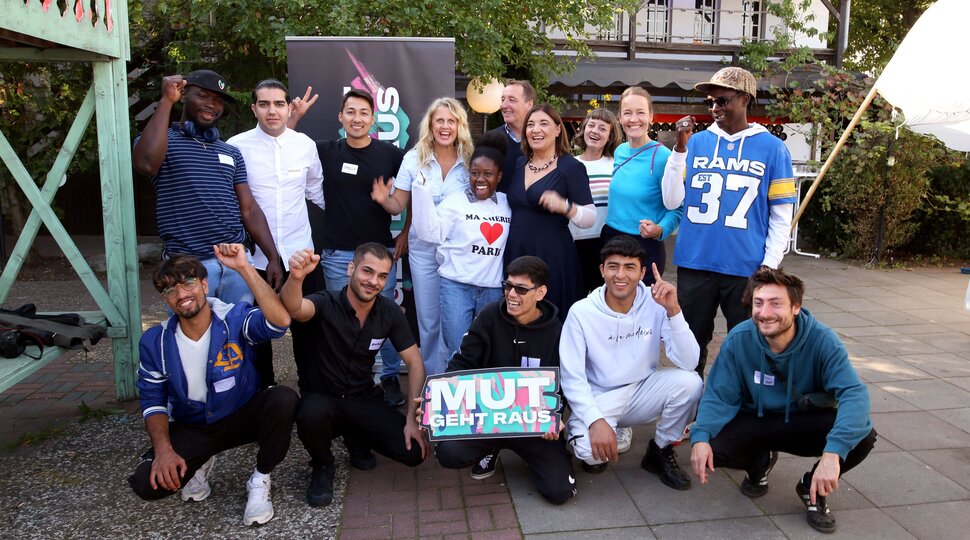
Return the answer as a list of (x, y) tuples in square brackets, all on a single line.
[(815, 361)]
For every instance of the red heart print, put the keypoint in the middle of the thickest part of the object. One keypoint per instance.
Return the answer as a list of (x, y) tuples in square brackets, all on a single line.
[(491, 231)]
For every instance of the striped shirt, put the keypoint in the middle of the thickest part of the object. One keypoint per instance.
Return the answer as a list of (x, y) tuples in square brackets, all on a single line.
[(600, 173), (196, 204)]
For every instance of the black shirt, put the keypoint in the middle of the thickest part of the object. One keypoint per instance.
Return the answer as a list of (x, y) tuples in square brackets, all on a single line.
[(340, 353), (352, 218), (512, 154)]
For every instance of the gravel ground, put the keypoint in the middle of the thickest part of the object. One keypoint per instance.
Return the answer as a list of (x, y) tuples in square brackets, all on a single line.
[(73, 485)]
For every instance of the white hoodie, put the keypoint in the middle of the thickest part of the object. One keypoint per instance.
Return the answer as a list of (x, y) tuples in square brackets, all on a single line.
[(601, 349)]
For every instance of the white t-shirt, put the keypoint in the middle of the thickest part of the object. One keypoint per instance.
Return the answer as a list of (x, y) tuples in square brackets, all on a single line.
[(195, 359), (600, 174)]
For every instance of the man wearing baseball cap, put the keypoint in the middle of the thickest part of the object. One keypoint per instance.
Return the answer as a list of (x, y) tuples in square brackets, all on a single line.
[(736, 183), (202, 196)]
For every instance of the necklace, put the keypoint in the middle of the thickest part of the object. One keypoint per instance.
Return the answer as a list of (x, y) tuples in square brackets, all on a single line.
[(535, 169), (196, 139)]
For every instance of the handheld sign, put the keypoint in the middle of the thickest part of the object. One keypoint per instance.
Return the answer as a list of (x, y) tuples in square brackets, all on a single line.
[(490, 403)]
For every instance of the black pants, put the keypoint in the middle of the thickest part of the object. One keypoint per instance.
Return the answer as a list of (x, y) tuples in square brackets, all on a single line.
[(746, 442), (549, 461), (588, 250), (700, 292), (368, 421), (264, 351), (267, 419), (655, 249)]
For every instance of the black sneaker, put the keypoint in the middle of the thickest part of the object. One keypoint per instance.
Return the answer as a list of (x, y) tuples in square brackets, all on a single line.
[(595, 469), (663, 462), (818, 516), (485, 466), (392, 391), (361, 458), (320, 490), (759, 488)]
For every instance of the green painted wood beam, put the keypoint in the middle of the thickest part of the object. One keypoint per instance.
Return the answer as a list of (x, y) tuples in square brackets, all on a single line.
[(31, 54), (118, 202), (60, 235), (71, 143), (31, 20)]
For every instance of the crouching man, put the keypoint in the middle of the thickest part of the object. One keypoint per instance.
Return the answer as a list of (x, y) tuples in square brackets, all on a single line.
[(200, 389), (773, 389), (610, 351), (520, 331)]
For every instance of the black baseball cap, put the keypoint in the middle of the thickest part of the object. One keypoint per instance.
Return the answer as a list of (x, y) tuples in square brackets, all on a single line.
[(211, 81)]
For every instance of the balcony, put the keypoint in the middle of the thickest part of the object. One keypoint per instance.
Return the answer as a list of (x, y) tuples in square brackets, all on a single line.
[(665, 29)]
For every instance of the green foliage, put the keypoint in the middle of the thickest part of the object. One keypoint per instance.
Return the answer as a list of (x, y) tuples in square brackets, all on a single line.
[(861, 192), (944, 219), (244, 40), (876, 28), (796, 20)]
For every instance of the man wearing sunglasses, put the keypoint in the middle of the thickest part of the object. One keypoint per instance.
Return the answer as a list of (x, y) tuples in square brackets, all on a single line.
[(736, 183), (520, 331), (200, 389)]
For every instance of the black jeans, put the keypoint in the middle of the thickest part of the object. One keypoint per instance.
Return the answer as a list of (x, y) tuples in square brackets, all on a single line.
[(746, 441), (264, 351), (550, 461), (368, 421), (700, 292), (267, 419), (655, 249)]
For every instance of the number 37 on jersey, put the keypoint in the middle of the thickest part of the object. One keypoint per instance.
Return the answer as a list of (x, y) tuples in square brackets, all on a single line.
[(730, 195)]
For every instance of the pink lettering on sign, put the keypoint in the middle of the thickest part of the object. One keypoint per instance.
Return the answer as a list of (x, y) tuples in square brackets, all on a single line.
[(491, 231)]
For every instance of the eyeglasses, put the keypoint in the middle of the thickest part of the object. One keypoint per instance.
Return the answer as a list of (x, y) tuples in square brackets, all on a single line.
[(519, 289), (188, 285), (720, 101)]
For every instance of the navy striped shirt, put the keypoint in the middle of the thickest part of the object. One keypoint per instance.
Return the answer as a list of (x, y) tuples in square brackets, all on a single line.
[(196, 204)]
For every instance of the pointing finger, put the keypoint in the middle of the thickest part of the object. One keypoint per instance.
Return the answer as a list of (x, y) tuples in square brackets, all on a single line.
[(656, 273)]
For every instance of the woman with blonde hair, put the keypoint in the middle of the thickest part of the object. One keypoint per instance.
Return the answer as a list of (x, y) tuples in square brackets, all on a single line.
[(597, 138), (439, 161), (636, 201)]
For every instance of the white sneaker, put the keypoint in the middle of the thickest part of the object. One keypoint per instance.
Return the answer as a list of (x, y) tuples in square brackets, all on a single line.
[(624, 439), (197, 489), (259, 509)]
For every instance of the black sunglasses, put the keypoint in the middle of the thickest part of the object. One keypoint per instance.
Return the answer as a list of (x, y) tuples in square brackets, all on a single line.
[(720, 101), (519, 289)]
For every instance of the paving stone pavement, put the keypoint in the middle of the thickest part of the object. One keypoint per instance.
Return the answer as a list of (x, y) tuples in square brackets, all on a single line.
[(908, 336)]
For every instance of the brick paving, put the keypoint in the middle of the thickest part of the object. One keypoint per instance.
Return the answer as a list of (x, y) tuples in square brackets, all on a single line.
[(427, 502)]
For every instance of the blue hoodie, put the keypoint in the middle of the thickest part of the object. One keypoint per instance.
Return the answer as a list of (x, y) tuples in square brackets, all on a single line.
[(815, 361)]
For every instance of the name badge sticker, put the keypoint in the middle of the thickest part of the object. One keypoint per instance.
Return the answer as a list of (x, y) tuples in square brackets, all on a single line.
[(757, 377), (529, 362), (349, 168), (769, 380), (227, 160), (294, 173), (224, 384), (376, 344)]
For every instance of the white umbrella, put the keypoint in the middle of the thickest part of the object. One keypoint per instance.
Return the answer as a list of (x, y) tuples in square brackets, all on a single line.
[(925, 79)]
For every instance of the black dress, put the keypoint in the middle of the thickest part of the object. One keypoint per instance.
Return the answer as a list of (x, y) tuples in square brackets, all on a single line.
[(535, 231)]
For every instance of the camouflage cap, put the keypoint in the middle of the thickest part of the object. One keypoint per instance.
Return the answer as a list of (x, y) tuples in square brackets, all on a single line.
[(734, 78)]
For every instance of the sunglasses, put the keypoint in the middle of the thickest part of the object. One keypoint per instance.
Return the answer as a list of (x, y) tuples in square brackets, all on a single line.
[(186, 286), (720, 101), (519, 289)]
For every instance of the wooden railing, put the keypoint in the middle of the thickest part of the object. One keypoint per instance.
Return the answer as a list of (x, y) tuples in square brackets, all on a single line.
[(83, 24)]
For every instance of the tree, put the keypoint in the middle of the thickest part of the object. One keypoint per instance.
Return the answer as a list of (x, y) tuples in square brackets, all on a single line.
[(876, 28), (245, 39)]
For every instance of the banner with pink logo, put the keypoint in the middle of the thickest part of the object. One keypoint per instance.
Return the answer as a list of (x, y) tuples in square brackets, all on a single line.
[(488, 403), (404, 75)]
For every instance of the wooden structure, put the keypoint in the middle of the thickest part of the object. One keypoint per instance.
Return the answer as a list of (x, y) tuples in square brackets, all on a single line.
[(93, 32)]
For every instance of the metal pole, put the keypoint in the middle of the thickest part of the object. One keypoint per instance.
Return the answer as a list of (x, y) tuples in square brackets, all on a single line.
[(835, 151)]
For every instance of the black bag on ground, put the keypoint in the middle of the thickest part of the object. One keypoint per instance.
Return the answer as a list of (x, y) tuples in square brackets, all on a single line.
[(67, 330)]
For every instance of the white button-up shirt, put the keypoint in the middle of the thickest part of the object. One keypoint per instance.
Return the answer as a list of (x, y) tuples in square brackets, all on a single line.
[(282, 171)]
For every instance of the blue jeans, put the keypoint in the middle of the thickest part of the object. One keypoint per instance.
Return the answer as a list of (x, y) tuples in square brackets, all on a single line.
[(226, 284), (427, 300), (334, 262), (460, 304)]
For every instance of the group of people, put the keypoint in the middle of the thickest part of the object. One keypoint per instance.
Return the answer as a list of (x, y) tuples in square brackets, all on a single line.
[(521, 255)]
